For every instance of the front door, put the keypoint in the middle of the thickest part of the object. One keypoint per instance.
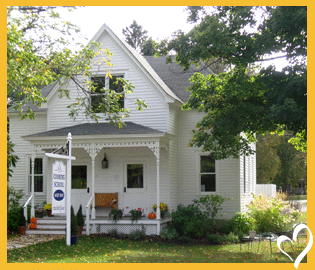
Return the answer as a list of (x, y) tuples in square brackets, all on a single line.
[(134, 186), (80, 187)]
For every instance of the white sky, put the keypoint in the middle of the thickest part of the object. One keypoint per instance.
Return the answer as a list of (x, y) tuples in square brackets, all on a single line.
[(159, 21)]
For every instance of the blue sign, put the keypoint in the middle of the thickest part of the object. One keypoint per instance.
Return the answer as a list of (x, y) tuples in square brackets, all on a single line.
[(59, 195)]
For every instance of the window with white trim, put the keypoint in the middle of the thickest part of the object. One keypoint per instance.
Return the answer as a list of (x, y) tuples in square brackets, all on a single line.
[(101, 82), (38, 175), (207, 174)]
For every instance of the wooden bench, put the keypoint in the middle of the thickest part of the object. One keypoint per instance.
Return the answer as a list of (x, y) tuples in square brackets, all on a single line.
[(106, 200)]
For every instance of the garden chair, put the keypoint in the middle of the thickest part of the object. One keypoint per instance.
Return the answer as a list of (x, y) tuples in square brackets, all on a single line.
[(250, 238)]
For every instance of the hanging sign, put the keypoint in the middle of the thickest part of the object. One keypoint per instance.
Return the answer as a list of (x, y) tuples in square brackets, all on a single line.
[(58, 205)]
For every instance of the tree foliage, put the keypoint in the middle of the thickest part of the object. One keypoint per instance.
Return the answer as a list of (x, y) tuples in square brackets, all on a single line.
[(137, 38), (135, 35), (38, 54), (11, 157), (279, 162), (238, 102)]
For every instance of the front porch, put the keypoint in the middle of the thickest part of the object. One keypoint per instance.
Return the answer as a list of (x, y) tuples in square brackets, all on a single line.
[(138, 172), (57, 225)]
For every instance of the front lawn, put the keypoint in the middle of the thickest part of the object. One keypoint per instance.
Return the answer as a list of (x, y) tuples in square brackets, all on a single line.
[(107, 250), (297, 197)]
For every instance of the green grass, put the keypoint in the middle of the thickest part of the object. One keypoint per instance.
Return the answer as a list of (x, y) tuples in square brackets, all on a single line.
[(298, 197), (109, 250)]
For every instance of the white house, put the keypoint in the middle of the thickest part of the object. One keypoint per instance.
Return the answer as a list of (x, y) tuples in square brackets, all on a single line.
[(152, 146)]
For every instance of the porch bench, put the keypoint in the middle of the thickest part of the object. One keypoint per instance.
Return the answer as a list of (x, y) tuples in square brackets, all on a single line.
[(106, 200)]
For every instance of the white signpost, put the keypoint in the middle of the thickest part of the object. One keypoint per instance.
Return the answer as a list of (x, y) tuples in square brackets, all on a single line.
[(57, 197)]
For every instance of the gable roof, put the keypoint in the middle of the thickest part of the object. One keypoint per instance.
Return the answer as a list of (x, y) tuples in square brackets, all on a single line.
[(174, 76), (170, 78), (98, 129)]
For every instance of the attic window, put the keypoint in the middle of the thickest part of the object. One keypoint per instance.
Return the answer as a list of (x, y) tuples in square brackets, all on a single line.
[(101, 82)]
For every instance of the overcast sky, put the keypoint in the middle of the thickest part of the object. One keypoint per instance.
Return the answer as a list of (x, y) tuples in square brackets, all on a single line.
[(159, 21)]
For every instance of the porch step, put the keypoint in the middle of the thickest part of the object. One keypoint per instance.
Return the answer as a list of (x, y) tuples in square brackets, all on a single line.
[(50, 225)]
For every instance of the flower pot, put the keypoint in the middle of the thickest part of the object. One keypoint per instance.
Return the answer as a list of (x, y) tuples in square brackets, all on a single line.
[(22, 230), (49, 213), (80, 230), (73, 239)]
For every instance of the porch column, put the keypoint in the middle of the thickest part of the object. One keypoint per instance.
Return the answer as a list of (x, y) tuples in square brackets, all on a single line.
[(158, 210), (93, 186), (32, 185)]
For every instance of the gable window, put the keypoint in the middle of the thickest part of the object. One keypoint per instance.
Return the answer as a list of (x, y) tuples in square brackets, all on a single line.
[(38, 175), (100, 82), (207, 174)]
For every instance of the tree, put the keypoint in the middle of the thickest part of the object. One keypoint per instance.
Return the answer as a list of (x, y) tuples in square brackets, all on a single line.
[(135, 35), (11, 157), (279, 162), (38, 54), (239, 104), (268, 161), (148, 47)]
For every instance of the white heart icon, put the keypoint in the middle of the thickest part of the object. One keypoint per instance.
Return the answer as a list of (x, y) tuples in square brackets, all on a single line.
[(296, 231)]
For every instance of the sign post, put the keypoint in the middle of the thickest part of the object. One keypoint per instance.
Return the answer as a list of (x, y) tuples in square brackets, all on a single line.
[(57, 194)]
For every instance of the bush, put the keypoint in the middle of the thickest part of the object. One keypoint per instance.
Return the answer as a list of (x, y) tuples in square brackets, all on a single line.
[(271, 215), (113, 233), (137, 234), (212, 204), (169, 233), (189, 221), (215, 239), (241, 224), (74, 223), (13, 218), (80, 218), (231, 238), (21, 220)]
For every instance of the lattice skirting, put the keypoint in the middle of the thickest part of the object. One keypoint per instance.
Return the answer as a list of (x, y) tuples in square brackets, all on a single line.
[(150, 229)]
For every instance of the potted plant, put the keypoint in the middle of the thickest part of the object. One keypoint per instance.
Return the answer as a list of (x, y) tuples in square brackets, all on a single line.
[(47, 207), (135, 214), (74, 227), (80, 220), (163, 209), (22, 222), (115, 214)]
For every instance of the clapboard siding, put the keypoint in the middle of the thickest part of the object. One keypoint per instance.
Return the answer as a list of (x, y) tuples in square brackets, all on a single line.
[(174, 157), (23, 149), (155, 116), (228, 176)]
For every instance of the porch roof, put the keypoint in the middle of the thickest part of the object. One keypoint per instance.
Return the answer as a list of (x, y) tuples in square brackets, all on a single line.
[(90, 129)]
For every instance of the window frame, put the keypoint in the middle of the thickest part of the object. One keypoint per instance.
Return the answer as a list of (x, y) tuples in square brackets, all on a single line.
[(199, 173), (29, 175), (107, 84)]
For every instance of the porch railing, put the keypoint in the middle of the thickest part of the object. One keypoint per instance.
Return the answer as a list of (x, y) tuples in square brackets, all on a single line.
[(26, 204), (87, 221)]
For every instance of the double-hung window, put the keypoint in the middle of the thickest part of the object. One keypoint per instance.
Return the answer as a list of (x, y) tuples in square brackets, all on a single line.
[(101, 82), (38, 175), (207, 174)]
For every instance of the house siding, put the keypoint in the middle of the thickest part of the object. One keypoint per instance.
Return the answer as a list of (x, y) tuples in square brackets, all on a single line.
[(174, 157), (18, 128), (228, 178), (155, 116)]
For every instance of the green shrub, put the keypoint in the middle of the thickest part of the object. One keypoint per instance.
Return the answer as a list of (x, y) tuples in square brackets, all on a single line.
[(271, 215), (215, 239), (21, 220), (74, 223), (242, 223), (189, 221), (113, 233), (231, 238), (137, 234), (13, 218), (169, 233), (80, 218), (212, 204)]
